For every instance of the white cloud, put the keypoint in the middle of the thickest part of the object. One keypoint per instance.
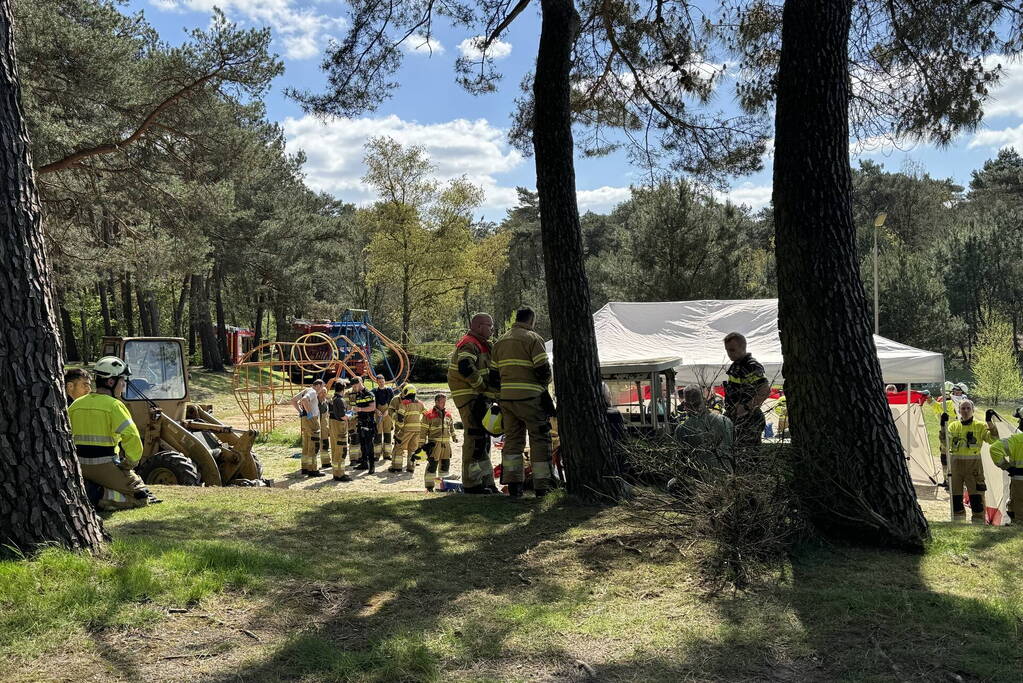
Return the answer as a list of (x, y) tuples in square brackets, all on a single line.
[(602, 199), (1007, 137), (334, 151), (419, 44), (754, 196), (1006, 98), (302, 32), (470, 48)]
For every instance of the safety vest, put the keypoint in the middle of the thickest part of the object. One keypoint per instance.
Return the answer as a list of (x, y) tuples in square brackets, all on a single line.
[(1007, 453), (477, 352), (410, 414), (966, 439), (438, 426), (518, 356), (744, 378), (362, 399), (99, 422)]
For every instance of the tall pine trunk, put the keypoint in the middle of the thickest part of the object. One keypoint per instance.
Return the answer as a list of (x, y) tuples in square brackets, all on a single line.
[(128, 314), (218, 286), (145, 320), (42, 495), (86, 347), (203, 323), (257, 325), (67, 330), (179, 308), (593, 470), (863, 489), (104, 308)]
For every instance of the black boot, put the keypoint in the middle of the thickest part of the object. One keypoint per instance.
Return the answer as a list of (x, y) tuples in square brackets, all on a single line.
[(343, 477), (977, 503), (361, 466), (515, 490), (540, 493), (478, 490), (315, 473)]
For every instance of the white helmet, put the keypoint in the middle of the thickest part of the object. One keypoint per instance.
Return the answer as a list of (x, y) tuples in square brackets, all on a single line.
[(111, 366), (962, 386), (948, 387)]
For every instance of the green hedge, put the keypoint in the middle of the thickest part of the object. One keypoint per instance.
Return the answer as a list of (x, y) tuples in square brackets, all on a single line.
[(429, 361)]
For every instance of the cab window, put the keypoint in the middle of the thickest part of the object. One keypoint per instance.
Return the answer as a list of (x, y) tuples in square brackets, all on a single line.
[(157, 371)]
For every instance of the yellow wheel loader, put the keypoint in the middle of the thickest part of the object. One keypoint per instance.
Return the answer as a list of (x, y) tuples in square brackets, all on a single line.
[(182, 442)]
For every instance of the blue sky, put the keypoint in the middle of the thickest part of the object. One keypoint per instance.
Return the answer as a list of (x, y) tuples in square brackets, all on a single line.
[(466, 134)]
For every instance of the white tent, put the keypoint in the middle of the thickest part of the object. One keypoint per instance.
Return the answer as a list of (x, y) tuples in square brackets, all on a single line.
[(642, 333)]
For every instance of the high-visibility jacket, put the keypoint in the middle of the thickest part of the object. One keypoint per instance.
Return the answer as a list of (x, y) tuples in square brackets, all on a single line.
[(393, 407), (966, 439), (438, 426), (745, 377), (410, 415), (468, 369), (363, 399), (521, 362), (99, 422), (1008, 454)]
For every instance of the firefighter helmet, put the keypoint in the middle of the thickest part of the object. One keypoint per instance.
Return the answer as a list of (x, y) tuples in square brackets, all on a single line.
[(111, 366)]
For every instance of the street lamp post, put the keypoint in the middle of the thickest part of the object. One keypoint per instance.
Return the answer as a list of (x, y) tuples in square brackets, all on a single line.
[(878, 223)]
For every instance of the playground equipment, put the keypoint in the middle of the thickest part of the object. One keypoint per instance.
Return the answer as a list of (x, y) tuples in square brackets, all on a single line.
[(269, 375), (182, 443)]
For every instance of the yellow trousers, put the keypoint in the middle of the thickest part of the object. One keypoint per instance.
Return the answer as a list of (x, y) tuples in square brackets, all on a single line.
[(338, 446), (405, 445), (310, 442), (440, 459)]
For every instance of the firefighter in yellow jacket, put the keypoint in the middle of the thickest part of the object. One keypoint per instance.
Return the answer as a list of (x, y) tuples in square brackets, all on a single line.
[(99, 424), (408, 429), (468, 373), (965, 437), (1008, 455), (439, 432), (521, 367)]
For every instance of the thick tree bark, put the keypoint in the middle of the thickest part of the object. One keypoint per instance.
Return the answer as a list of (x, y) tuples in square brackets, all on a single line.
[(42, 496), (67, 330), (104, 308), (218, 284), (144, 317), (126, 308), (851, 456), (86, 347), (200, 304), (257, 326), (593, 470)]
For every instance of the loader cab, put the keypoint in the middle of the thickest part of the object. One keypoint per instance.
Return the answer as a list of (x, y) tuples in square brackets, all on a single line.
[(158, 372)]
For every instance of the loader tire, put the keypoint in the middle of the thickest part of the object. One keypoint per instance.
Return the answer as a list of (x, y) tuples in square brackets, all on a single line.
[(169, 468)]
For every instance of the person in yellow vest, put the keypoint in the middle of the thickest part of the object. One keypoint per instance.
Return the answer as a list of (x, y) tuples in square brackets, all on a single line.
[(1007, 454), (521, 367), (338, 413), (439, 432), (324, 399), (100, 423), (307, 403), (408, 429), (468, 374), (964, 438)]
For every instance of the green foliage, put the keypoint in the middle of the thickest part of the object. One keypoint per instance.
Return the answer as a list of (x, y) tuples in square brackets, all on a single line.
[(995, 364)]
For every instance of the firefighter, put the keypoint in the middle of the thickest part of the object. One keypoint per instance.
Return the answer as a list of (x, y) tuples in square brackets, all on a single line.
[(383, 395), (338, 412), (100, 423), (706, 436), (468, 373), (522, 370), (1008, 455), (307, 403), (76, 384), (965, 436), (366, 424), (745, 390), (408, 425), (324, 399), (439, 432)]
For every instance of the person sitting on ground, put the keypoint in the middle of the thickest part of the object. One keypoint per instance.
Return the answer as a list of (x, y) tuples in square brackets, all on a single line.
[(76, 384), (706, 436)]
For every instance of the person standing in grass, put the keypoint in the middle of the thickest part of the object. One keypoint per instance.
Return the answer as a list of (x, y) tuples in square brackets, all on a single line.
[(746, 389), (439, 432), (965, 437), (366, 424), (338, 413), (1007, 454), (324, 399), (307, 403)]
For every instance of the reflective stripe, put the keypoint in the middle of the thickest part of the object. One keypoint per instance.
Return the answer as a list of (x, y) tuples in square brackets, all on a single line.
[(522, 385), (121, 427), (102, 439), (512, 361), (96, 461), (966, 456), (464, 392), (540, 359), (749, 379)]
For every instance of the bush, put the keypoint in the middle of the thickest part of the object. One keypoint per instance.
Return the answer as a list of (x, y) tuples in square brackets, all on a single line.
[(995, 366), (429, 361)]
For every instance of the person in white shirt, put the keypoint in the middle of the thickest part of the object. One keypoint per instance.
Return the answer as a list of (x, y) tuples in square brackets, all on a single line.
[(307, 403)]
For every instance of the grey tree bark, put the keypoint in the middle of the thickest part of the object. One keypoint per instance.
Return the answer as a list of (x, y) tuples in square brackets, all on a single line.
[(42, 496)]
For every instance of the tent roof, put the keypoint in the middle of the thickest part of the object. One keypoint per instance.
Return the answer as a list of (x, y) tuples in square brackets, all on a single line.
[(630, 333)]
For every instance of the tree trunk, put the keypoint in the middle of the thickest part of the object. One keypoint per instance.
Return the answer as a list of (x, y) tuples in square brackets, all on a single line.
[(179, 309), (280, 318), (86, 341), (257, 326), (67, 330), (200, 304), (593, 469), (104, 308), (128, 313), (406, 307), (218, 284), (145, 320), (42, 495), (864, 490)]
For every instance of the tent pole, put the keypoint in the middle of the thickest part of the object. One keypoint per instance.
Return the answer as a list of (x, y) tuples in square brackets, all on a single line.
[(909, 422), (948, 450)]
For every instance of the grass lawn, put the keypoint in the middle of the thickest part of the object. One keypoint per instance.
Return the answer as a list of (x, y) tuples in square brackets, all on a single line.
[(305, 585)]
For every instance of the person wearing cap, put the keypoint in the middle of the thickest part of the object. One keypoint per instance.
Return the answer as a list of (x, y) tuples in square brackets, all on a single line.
[(100, 424), (961, 441), (439, 432), (338, 413), (366, 423), (307, 403), (408, 429), (1007, 454)]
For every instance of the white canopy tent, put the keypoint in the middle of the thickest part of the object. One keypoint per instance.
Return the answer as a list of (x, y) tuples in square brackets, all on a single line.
[(644, 333)]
